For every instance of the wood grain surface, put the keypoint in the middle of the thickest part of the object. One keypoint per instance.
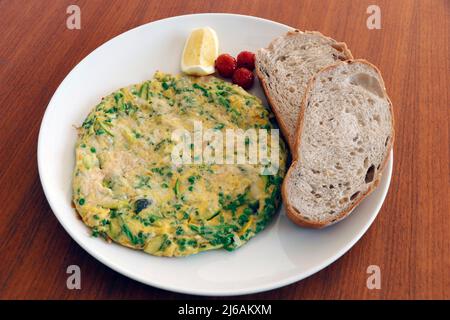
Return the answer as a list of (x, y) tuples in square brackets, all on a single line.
[(410, 239)]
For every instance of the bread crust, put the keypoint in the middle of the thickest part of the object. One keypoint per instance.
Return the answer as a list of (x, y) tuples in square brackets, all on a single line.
[(271, 101), (293, 214)]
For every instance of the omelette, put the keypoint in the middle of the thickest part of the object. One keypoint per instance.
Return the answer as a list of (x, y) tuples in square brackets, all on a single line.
[(127, 189)]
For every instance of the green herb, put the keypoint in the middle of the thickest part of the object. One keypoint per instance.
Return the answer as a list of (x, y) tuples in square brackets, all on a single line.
[(192, 242), (118, 96), (112, 110), (191, 179), (179, 231), (176, 188), (129, 234), (161, 143), (141, 237), (194, 228), (128, 108), (214, 215), (95, 233), (143, 181), (158, 170), (113, 213), (189, 100), (182, 244), (236, 203), (165, 85), (153, 218), (88, 123), (222, 93), (221, 235), (81, 201), (103, 129), (243, 219), (199, 87), (93, 150), (166, 242), (224, 102), (237, 113), (143, 92)]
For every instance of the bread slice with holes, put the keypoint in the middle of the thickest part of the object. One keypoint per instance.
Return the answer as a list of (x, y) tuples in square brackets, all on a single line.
[(285, 68), (344, 137)]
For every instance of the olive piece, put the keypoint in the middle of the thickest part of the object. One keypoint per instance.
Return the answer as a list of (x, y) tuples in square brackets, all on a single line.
[(254, 206), (140, 205)]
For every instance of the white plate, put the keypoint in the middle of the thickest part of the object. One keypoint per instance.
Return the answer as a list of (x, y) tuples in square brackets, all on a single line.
[(280, 255)]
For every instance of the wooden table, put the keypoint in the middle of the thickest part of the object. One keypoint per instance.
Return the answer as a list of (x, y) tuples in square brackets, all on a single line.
[(410, 239)]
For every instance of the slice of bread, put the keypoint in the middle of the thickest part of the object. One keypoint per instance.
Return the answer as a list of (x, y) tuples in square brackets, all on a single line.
[(344, 137), (285, 68)]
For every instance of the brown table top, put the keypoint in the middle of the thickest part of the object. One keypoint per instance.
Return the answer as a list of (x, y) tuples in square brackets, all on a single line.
[(410, 239)]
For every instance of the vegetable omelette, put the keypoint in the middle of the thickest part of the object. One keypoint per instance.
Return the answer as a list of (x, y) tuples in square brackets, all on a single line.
[(126, 188)]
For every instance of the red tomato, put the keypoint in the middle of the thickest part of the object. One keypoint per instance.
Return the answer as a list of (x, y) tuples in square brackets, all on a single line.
[(246, 59), (244, 78), (225, 65)]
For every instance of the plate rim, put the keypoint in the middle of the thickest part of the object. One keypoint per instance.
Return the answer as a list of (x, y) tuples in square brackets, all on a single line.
[(199, 292)]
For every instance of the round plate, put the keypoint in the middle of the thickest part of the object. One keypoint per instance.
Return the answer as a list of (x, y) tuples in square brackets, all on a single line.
[(281, 254)]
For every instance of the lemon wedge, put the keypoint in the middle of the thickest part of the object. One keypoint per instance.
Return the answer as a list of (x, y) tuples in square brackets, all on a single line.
[(200, 52)]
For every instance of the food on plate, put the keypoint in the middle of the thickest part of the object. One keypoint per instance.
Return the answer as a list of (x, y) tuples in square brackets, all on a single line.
[(226, 65), (200, 52), (239, 70), (126, 187), (246, 59), (343, 140), (285, 68), (244, 78)]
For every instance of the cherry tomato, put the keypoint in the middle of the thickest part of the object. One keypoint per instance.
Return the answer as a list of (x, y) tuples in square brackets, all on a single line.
[(225, 65), (244, 78), (246, 59)]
